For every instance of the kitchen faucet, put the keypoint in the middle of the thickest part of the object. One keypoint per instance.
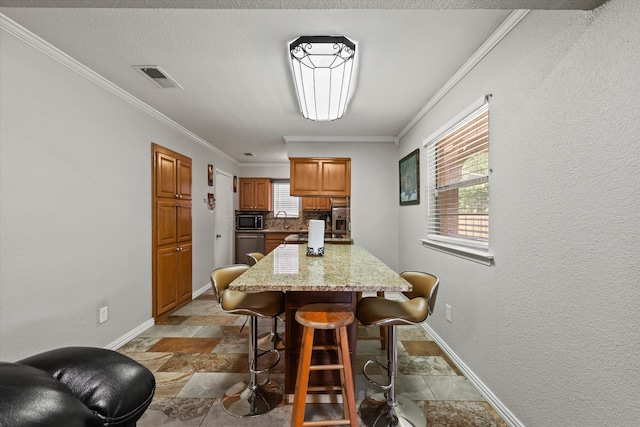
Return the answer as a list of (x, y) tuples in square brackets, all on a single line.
[(286, 227)]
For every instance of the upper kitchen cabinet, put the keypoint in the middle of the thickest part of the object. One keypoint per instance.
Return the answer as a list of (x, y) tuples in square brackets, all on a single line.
[(173, 175), (320, 176), (316, 204), (255, 194)]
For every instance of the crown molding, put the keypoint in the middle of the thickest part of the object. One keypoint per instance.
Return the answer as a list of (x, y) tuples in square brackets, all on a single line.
[(48, 49), (505, 27), (293, 139)]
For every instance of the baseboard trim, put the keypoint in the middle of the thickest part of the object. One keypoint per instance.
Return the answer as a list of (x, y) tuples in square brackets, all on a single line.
[(130, 335), (201, 291), (146, 325), (491, 398)]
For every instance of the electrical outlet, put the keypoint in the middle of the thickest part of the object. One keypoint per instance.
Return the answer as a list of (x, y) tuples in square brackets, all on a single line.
[(104, 314), (448, 307)]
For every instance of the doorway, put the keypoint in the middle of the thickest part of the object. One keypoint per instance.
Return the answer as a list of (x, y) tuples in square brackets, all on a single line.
[(223, 217)]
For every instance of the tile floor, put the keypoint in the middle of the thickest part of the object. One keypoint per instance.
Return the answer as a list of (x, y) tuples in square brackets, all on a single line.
[(200, 351)]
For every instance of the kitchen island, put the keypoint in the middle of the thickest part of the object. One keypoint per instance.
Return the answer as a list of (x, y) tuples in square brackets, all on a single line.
[(333, 278)]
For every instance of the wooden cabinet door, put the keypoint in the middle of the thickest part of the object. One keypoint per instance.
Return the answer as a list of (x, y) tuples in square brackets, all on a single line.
[(183, 178), (273, 240), (323, 203), (336, 177), (166, 232), (304, 176), (166, 276), (308, 203), (185, 272), (166, 170), (246, 194), (262, 189), (183, 221)]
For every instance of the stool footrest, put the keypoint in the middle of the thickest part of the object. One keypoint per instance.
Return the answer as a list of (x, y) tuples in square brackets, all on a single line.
[(342, 422), (326, 367), (364, 372), (325, 388), (324, 347)]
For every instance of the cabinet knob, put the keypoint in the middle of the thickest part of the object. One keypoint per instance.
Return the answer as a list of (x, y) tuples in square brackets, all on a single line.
[(177, 205), (177, 196)]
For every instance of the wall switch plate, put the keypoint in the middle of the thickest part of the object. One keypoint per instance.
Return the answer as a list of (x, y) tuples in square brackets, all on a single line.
[(104, 314), (448, 309)]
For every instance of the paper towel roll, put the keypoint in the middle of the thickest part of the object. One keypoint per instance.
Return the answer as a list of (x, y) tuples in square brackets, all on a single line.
[(315, 245)]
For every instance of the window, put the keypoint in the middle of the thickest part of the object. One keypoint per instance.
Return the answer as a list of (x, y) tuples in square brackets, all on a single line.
[(458, 185), (282, 201)]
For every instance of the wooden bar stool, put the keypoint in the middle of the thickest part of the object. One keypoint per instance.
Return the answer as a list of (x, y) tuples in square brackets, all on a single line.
[(324, 316)]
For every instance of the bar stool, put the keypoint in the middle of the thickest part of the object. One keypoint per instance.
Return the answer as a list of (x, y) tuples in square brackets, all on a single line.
[(274, 339), (324, 316), (252, 399), (388, 409), (254, 257), (383, 329)]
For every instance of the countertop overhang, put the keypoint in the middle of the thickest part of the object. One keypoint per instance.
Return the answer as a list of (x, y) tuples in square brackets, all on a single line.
[(343, 268)]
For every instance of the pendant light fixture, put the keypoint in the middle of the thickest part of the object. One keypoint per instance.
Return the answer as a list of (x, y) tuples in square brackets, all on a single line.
[(323, 70)]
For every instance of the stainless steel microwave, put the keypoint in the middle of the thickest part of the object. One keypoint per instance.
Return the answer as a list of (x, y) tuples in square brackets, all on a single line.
[(249, 222)]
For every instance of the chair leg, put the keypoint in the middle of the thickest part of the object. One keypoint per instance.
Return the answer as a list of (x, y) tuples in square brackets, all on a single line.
[(346, 376), (388, 409), (302, 379), (252, 399)]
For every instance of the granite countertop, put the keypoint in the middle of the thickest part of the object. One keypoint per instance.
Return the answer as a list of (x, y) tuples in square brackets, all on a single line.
[(304, 237), (343, 268)]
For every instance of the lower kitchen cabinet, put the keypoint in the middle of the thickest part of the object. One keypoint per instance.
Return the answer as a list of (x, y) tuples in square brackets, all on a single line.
[(273, 240), (173, 277)]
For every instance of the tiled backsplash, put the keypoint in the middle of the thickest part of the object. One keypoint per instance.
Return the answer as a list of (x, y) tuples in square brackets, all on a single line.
[(300, 223)]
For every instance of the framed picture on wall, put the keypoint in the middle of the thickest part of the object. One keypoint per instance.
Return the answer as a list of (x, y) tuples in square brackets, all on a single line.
[(210, 175), (410, 179)]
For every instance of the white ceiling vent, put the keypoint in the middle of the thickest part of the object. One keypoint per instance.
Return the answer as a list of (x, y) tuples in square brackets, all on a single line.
[(158, 76)]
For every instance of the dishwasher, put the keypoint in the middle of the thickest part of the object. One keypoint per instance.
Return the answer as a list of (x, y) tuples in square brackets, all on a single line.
[(247, 243)]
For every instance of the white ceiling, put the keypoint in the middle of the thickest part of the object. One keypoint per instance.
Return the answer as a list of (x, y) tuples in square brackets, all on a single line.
[(231, 58)]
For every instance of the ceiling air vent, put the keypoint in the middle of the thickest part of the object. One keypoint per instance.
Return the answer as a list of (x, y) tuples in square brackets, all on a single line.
[(158, 76)]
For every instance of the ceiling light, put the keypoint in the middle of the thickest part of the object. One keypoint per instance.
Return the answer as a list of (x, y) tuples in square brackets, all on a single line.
[(323, 69)]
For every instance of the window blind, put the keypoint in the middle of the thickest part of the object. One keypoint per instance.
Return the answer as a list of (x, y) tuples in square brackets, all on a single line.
[(283, 201), (458, 180)]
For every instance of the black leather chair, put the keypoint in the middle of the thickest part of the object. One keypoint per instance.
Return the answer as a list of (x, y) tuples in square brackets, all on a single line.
[(74, 387)]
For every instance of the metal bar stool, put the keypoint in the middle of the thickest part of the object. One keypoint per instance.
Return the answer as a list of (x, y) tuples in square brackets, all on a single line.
[(388, 409), (249, 399), (324, 316), (383, 329), (274, 339)]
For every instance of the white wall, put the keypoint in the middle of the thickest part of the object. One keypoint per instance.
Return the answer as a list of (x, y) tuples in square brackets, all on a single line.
[(552, 327), (76, 206), (374, 191), (264, 170)]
